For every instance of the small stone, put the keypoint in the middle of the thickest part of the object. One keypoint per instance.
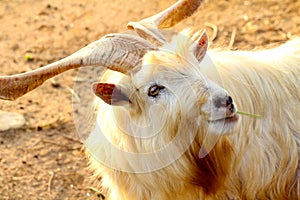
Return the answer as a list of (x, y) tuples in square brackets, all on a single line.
[(14, 47), (54, 83), (9, 120)]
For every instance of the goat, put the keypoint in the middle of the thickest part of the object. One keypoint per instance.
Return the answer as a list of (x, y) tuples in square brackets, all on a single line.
[(167, 126)]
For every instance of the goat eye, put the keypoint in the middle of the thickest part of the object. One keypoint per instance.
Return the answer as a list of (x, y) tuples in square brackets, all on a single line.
[(154, 90)]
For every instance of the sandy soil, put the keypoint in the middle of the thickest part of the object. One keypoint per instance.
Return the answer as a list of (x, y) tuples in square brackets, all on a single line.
[(44, 159)]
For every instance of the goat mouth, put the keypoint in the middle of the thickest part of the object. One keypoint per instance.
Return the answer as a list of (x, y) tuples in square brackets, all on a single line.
[(224, 125), (228, 119)]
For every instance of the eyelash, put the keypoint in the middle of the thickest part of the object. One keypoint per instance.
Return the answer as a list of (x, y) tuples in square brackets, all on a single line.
[(154, 90)]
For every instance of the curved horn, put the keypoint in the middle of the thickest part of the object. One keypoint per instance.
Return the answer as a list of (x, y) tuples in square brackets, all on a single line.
[(119, 52), (148, 27)]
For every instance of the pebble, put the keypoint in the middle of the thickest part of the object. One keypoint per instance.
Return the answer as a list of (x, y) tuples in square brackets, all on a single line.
[(10, 120)]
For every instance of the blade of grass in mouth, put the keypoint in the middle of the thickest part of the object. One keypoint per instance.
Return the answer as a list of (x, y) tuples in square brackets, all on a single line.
[(248, 114)]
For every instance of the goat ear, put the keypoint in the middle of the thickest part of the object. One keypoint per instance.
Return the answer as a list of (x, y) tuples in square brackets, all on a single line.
[(199, 47), (111, 94)]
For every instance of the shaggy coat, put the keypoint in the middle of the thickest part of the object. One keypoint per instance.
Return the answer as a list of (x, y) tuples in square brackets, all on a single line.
[(257, 159)]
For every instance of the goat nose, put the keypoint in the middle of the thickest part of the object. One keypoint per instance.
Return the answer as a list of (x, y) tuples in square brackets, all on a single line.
[(225, 102)]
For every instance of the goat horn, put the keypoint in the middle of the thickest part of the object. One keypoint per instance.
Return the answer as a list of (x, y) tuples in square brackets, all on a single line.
[(165, 19), (118, 52)]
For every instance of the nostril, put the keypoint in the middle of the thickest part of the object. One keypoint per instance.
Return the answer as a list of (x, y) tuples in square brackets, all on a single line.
[(231, 108), (229, 101)]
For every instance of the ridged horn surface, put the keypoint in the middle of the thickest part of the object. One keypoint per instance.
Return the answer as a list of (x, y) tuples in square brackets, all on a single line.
[(148, 28), (119, 52)]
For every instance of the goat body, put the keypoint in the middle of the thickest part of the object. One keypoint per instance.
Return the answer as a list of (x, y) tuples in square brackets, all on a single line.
[(259, 159)]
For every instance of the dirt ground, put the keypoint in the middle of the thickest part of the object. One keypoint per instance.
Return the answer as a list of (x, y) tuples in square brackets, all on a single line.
[(44, 159)]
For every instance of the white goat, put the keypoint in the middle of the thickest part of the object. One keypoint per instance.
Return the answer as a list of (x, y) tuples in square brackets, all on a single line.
[(171, 130), (255, 159)]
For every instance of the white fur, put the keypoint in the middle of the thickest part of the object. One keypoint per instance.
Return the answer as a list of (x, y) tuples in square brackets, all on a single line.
[(254, 159)]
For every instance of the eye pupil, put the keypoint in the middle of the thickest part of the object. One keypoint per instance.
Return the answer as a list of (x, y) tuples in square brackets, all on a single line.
[(154, 90)]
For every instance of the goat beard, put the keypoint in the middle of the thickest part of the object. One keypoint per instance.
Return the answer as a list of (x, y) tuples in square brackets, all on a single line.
[(212, 170)]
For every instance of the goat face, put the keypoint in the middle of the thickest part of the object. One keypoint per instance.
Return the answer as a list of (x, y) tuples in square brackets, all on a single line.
[(169, 88)]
